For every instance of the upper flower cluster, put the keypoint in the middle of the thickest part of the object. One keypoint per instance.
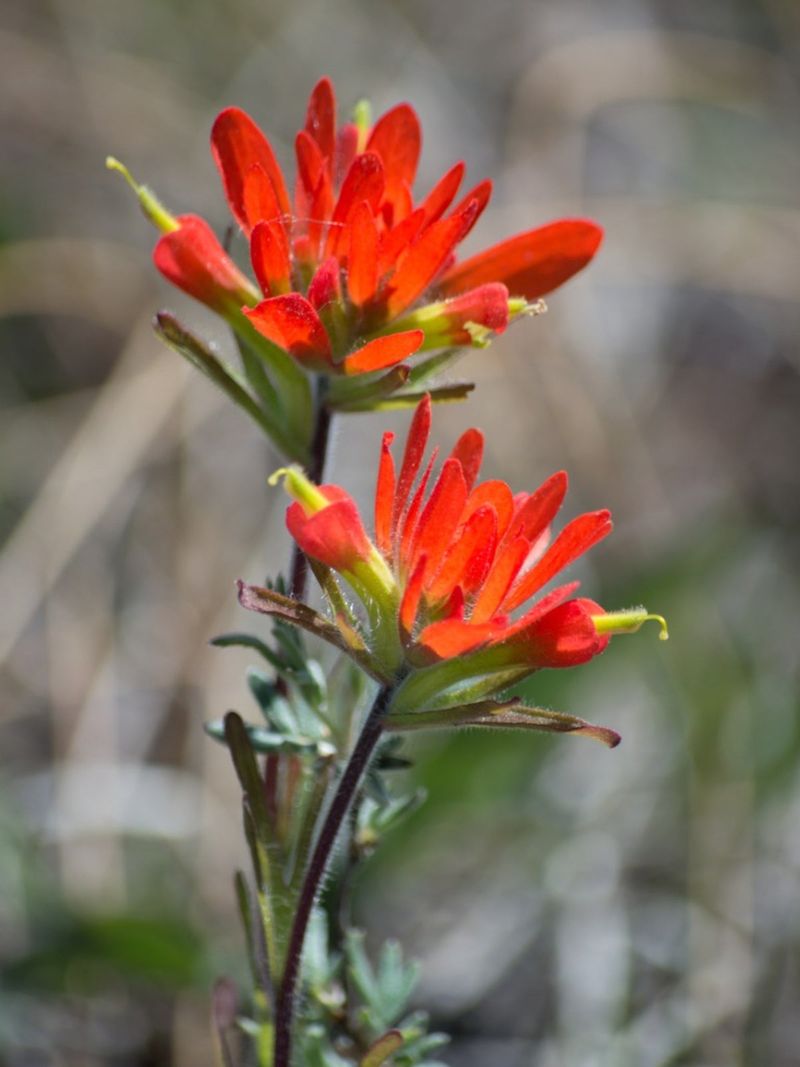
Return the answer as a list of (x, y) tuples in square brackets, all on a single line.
[(354, 273), (447, 570), (352, 251)]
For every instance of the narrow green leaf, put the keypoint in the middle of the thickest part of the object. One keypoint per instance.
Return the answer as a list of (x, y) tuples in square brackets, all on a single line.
[(290, 382), (266, 742), (255, 372), (349, 394), (427, 368), (443, 394), (499, 714), (359, 967), (248, 774), (242, 640), (270, 602), (198, 353)]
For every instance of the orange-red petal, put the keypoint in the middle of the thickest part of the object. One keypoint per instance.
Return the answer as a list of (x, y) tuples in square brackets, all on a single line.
[(416, 443), (505, 567), (321, 120), (442, 194), (422, 262), (291, 322), (440, 517), (362, 259), (395, 241), (383, 352), (346, 151), (237, 144), (576, 538), (409, 605), (310, 171), (269, 254), (468, 557), (326, 284), (192, 258), (496, 493), (481, 194), (563, 637), (468, 450), (384, 496), (542, 607), (363, 181), (406, 529), (530, 264), (397, 139), (538, 510), (335, 536), (452, 637), (259, 199)]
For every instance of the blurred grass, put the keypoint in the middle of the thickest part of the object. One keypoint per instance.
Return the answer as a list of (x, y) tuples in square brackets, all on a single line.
[(572, 906)]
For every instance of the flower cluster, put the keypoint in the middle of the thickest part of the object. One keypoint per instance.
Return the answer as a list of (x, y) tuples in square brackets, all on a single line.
[(354, 274), (451, 563), (363, 252)]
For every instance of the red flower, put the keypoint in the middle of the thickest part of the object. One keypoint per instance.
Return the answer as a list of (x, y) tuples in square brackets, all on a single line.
[(451, 564), (352, 251), (192, 258)]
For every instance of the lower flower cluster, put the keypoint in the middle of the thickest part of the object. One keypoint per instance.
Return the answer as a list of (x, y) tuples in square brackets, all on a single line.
[(451, 584)]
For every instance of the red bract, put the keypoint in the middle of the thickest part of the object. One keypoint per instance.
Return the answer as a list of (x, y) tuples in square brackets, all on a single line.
[(464, 556), (192, 258), (452, 584), (355, 251)]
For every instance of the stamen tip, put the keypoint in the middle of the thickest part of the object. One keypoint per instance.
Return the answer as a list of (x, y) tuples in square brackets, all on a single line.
[(275, 477), (112, 163)]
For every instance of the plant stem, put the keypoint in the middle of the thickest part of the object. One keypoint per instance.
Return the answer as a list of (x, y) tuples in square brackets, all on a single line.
[(348, 784), (316, 469)]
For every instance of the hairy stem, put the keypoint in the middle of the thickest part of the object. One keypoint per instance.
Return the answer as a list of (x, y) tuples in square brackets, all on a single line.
[(337, 813)]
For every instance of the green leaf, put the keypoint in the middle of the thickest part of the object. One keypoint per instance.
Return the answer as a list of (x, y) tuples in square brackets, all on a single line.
[(270, 602), (376, 818), (242, 640), (385, 993), (276, 709), (254, 935), (427, 368), (397, 401), (317, 967), (267, 742), (355, 394), (396, 979), (317, 1050), (248, 773), (200, 355), (290, 383), (498, 714)]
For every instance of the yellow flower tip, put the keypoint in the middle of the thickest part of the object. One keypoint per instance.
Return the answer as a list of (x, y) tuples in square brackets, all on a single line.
[(115, 164), (629, 622), (362, 119), (299, 488), (275, 477), (663, 634), (152, 207)]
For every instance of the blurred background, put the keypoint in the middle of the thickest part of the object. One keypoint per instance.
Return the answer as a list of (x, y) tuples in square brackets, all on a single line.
[(571, 906)]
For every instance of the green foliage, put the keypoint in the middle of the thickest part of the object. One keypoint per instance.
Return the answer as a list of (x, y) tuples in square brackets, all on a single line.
[(354, 1012), (357, 1012)]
